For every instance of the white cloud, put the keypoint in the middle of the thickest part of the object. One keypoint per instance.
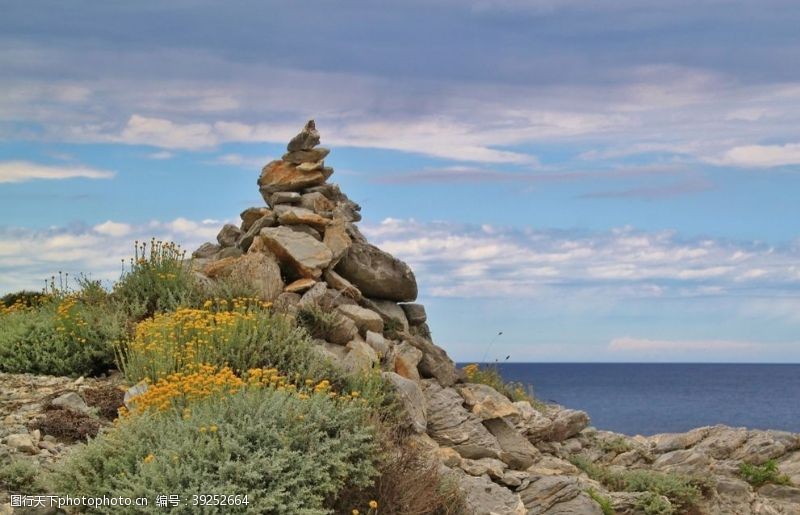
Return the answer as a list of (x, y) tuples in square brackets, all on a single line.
[(113, 228), (162, 154), (762, 156), (628, 344), (23, 171)]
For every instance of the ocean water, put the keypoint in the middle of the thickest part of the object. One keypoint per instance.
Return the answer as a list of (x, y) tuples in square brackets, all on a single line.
[(657, 398)]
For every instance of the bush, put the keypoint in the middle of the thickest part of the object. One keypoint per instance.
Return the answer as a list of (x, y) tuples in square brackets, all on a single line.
[(654, 504), (682, 491), (616, 445), (20, 476), (605, 503), (288, 452), (491, 376), (759, 475), (317, 322), (64, 334), (242, 335), (158, 281), (20, 299)]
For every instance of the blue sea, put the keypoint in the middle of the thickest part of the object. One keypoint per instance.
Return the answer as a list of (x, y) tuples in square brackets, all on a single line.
[(658, 398)]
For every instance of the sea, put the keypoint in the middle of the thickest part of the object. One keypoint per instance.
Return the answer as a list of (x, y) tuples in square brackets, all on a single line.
[(645, 399)]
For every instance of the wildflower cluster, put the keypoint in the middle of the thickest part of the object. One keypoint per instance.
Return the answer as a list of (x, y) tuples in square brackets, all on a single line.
[(69, 322), (491, 376)]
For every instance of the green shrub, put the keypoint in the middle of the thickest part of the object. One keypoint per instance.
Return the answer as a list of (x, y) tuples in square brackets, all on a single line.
[(490, 375), (654, 504), (20, 476), (317, 322), (288, 453), (616, 445), (158, 281), (682, 491), (64, 334), (604, 502), (23, 298), (759, 475), (243, 335)]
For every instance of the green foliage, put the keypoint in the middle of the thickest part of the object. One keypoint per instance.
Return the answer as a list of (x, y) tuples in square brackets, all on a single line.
[(682, 491), (159, 280), (616, 445), (758, 475), (287, 453), (20, 476), (490, 375), (21, 298), (654, 504), (63, 334), (317, 322), (603, 501), (242, 335)]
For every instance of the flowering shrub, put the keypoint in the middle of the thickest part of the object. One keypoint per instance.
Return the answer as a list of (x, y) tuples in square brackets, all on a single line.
[(242, 334), (291, 450), (490, 375)]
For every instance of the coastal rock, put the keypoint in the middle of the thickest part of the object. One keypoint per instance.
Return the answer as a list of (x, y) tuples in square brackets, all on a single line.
[(667, 442), (517, 452), (411, 399), (491, 467), (312, 155), (555, 494), (567, 423), (484, 497), (365, 319), (283, 176), (435, 362), (485, 402), (415, 313), (404, 359), (377, 274), (301, 254)]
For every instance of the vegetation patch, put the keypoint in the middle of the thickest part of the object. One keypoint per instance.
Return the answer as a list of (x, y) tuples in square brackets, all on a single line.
[(759, 475), (604, 502), (107, 399), (66, 424), (490, 375)]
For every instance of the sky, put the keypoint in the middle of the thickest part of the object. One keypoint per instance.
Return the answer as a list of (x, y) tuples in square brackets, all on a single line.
[(599, 181)]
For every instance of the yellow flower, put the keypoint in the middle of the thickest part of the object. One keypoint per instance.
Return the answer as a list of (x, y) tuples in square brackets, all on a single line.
[(213, 428), (149, 458), (355, 512), (373, 504)]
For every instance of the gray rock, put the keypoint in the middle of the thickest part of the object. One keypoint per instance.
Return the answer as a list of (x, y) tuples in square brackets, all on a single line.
[(133, 392), (338, 282), (22, 443), (365, 319), (390, 311), (517, 452), (546, 493), (206, 250), (306, 229), (415, 313), (411, 399), (485, 402), (229, 235), (361, 357), (317, 202), (306, 156), (377, 274), (292, 215), (337, 239), (378, 343), (307, 139), (286, 303), (762, 446), (229, 252), (342, 331), (435, 362), (251, 214), (721, 441), (284, 197), (484, 497), (300, 254), (71, 400), (450, 425), (667, 442), (684, 461), (492, 467), (567, 423), (404, 359), (246, 240)]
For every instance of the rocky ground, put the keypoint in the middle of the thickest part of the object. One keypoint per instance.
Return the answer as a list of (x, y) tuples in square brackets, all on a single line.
[(303, 252)]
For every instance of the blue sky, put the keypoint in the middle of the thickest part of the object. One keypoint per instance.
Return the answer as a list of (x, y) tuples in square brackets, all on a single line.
[(600, 181)]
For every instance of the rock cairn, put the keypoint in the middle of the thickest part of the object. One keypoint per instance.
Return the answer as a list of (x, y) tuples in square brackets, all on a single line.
[(304, 250)]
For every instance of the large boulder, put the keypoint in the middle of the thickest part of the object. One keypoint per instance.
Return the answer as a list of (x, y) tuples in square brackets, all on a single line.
[(482, 496), (517, 452), (378, 274), (299, 254), (435, 361), (365, 319), (229, 235), (257, 270), (283, 176), (485, 402), (411, 399), (450, 425), (390, 311), (567, 423)]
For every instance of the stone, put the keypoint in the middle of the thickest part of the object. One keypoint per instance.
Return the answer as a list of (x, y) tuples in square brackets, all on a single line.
[(552, 466), (435, 362), (361, 357), (291, 215), (762, 446), (71, 400), (132, 392), (404, 359), (544, 493), (338, 282), (313, 297), (337, 239), (377, 274), (411, 399), (492, 467), (485, 402), (721, 441), (307, 139), (282, 176), (629, 503), (317, 202), (448, 457), (450, 425), (567, 423), (667, 442), (258, 270), (246, 240), (305, 229), (484, 497), (228, 235), (300, 254), (22, 443), (415, 313), (378, 343), (229, 252), (286, 303), (365, 319), (206, 250), (517, 452), (284, 197), (684, 461), (311, 166), (342, 331), (251, 214), (312, 155), (390, 311), (300, 285)]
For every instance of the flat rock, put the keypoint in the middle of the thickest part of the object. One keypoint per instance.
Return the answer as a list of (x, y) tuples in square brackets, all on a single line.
[(492, 467), (517, 452), (284, 197), (300, 285), (667, 442), (283, 176), (300, 253), (338, 282), (415, 313), (485, 402), (365, 319), (251, 214), (484, 497), (305, 229), (316, 202), (546, 493), (71, 400), (312, 155), (378, 274), (292, 215), (534, 425)]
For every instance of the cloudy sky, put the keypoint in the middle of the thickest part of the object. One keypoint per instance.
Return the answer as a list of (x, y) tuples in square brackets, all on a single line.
[(600, 181)]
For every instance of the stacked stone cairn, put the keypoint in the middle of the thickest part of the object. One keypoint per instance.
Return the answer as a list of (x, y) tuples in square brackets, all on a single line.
[(304, 250)]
